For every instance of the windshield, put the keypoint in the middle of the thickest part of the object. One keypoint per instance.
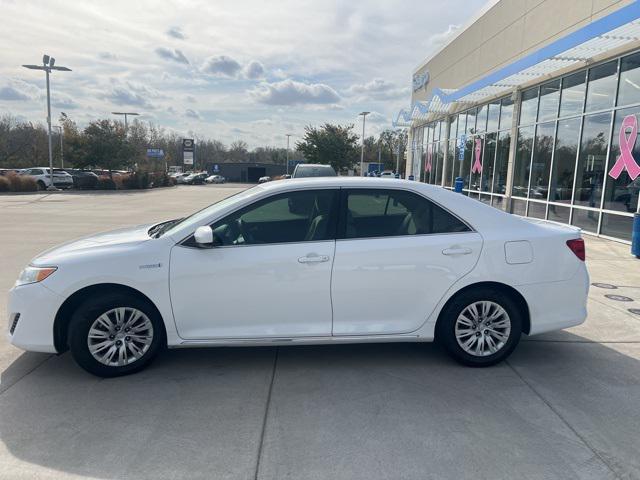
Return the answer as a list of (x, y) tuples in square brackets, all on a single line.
[(206, 212)]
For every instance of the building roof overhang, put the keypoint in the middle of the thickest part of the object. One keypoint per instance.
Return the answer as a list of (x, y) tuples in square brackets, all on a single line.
[(577, 48)]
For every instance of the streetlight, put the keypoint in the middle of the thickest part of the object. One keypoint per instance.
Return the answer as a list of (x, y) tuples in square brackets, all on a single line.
[(125, 118), (364, 119), (60, 131), (288, 135), (48, 64)]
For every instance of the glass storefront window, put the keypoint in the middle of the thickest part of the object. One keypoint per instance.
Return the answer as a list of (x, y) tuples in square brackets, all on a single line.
[(622, 193), (585, 219), (537, 210), (522, 162), (439, 159), (541, 164), (465, 168), (519, 207), (493, 117), (529, 106), (558, 214), (481, 119), (549, 101), (629, 80), (573, 91), (471, 121), (506, 114), (591, 160), (617, 226), (451, 156), (502, 163), (564, 160), (488, 162), (601, 89)]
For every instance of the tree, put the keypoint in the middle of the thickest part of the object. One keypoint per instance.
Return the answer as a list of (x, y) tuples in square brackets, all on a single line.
[(239, 151), (333, 145), (107, 146), (394, 143)]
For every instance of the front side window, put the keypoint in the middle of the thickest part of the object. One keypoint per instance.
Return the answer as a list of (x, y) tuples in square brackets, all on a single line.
[(303, 216), (387, 213)]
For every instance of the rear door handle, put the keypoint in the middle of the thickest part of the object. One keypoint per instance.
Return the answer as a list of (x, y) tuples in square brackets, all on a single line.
[(313, 258), (456, 251)]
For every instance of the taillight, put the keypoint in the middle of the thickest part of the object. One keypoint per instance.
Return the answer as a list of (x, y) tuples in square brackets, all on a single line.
[(577, 246)]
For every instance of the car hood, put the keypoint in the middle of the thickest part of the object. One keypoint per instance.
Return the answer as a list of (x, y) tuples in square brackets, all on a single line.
[(115, 239)]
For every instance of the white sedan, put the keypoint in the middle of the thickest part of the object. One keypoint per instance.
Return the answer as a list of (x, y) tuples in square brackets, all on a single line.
[(310, 261)]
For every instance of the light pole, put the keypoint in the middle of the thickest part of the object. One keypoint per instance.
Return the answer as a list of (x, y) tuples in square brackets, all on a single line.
[(364, 119), (126, 126), (61, 149), (48, 64), (288, 136)]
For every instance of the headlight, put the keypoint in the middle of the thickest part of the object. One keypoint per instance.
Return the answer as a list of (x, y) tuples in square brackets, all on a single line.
[(34, 275)]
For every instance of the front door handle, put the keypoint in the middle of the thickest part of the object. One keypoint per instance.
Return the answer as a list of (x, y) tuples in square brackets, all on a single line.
[(456, 251), (313, 258)]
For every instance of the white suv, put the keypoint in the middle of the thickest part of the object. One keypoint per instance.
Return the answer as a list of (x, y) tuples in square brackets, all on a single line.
[(61, 179)]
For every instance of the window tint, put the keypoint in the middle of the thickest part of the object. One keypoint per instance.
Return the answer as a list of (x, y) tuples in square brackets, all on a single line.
[(573, 90), (385, 213), (304, 216), (629, 80), (601, 89), (529, 106)]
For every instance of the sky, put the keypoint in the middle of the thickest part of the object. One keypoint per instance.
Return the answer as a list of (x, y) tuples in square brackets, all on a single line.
[(228, 70)]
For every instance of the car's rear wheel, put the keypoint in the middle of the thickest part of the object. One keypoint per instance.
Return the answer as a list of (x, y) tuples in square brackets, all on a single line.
[(116, 334), (41, 185), (480, 327)]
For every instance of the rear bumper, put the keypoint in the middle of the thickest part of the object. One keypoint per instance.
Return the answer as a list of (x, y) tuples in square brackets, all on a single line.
[(37, 306), (557, 305)]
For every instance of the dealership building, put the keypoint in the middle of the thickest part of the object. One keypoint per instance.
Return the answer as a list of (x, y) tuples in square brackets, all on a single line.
[(535, 105)]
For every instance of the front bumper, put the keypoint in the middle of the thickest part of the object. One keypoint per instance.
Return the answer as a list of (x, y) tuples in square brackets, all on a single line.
[(37, 306)]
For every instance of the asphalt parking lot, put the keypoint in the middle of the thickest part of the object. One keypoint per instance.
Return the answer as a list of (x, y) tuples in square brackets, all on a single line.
[(566, 405)]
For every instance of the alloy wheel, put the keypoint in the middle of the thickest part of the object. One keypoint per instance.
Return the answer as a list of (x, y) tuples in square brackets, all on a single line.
[(482, 328), (120, 336)]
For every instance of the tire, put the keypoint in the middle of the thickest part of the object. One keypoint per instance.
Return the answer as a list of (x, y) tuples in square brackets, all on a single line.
[(41, 185), (493, 342), (133, 352)]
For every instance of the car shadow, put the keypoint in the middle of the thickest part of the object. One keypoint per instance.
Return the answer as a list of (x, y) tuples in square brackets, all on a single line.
[(339, 411)]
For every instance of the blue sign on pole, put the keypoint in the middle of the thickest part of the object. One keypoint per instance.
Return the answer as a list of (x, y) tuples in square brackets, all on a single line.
[(461, 141), (155, 153), (216, 168)]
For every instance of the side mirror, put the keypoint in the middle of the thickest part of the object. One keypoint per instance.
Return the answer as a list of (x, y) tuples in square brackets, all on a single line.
[(204, 237)]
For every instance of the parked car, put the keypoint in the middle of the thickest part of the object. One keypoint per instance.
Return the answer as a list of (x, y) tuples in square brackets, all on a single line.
[(195, 179), (42, 176), (304, 170), (182, 177), (388, 175), (7, 171), (264, 179), (319, 260), (83, 179), (215, 179)]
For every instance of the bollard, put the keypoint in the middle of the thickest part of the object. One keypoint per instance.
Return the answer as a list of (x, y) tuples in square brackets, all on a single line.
[(635, 236), (458, 185)]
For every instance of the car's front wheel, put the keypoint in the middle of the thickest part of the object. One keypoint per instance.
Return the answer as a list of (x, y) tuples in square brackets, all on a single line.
[(115, 334), (480, 328)]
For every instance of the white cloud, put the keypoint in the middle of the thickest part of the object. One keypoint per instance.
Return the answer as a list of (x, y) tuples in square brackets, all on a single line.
[(254, 70), (193, 114), (290, 92), (176, 32), (221, 65), (379, 89), (172, 54), (12, 94)]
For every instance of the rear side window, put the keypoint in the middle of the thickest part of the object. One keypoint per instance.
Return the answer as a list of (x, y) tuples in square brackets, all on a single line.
[(304, 171), (387, 213)]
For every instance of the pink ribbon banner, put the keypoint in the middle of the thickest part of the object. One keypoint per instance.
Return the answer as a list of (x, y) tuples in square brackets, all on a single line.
[(428, 165), (477, 165), (625, 160)]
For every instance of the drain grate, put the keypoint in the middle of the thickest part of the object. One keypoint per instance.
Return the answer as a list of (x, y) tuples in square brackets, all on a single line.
[(619, 298)]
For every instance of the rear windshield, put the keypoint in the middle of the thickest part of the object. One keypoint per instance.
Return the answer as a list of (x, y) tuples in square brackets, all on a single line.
[(315, 171)]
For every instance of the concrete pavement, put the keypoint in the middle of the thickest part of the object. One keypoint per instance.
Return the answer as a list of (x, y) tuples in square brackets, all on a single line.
[(565, 405)]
